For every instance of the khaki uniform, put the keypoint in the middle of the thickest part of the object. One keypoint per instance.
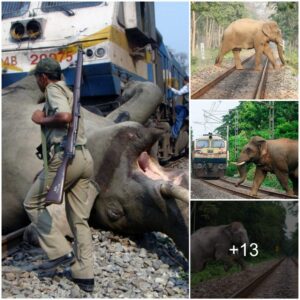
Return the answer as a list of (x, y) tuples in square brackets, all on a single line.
[(79, 194)]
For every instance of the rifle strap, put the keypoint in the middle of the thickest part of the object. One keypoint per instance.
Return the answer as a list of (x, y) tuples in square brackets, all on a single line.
[(45, 155)]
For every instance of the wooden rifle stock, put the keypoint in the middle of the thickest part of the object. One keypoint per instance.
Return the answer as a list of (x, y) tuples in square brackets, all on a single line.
[(56, 191)]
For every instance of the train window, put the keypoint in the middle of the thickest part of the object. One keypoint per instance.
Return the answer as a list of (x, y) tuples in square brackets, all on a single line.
[(202, 144), (218, 144), (65, 6), (14, 9)]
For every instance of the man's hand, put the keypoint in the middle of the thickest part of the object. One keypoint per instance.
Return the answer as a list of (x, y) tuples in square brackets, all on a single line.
[(38, 117)]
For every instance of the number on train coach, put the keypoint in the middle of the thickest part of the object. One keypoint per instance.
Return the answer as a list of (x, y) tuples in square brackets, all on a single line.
[(59, 56), (10, 60)]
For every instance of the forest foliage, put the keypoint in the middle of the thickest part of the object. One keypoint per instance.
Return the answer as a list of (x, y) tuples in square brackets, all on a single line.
[(254, 120), (264, 221), (210, 19)]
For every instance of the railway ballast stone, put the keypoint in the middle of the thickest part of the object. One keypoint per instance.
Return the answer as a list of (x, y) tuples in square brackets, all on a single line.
[(147, 267)]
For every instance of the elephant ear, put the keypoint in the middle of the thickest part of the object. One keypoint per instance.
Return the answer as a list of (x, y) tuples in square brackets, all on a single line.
[(228, 231), (268, 29), (261, 144)]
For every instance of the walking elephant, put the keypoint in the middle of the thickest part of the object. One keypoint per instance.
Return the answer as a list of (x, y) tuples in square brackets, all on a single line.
[(249, 34), (214, 242), (276, 156)]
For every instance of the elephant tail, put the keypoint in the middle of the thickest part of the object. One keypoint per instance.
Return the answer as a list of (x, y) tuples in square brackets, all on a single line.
[(217, 61)]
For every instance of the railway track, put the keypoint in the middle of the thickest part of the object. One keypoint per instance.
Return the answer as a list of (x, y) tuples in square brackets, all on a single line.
[(256, 287), (11, 241), (243, 190), (237, 84)]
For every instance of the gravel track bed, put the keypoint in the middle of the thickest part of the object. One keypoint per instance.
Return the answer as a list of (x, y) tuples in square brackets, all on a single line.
[(200, 190), (147, 267), (281, 84), (226, 286), (282, 283), (240, 84), (207, 74)]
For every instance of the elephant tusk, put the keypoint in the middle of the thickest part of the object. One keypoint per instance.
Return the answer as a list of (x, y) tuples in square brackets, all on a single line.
[(238, 164), (175, 191)]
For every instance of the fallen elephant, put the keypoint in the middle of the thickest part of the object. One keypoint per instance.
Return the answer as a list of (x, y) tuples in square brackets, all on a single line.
[(136, 194)]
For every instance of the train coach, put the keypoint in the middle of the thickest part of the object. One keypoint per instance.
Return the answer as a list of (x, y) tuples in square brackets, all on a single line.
[(120, 41), (209, 156)]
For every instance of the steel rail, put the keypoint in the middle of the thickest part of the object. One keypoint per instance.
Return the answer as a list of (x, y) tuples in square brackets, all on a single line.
[(245, 291), (261, 86), (237, 193), (264, 191), (11, 241)]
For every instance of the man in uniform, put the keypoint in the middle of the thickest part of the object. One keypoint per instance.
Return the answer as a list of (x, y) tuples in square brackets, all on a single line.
[(54, 121)]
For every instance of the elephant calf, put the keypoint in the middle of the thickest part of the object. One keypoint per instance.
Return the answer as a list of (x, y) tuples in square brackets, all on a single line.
[(214, 242), (249, 34), (276, 156)]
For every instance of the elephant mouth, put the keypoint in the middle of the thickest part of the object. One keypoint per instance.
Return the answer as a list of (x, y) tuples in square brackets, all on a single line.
[(170, 182), (151, 168)]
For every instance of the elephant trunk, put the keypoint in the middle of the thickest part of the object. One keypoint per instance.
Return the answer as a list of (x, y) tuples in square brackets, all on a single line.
[(243, 173), (280, 51)]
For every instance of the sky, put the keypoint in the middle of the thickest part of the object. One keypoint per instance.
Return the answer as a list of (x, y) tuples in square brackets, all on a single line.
[(290, 221), (172, 21), (218, 108)]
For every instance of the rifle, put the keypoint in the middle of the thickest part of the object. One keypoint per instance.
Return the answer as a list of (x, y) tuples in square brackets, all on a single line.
[(55, 193)]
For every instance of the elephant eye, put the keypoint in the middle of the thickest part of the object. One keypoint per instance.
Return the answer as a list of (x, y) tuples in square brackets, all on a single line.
[(248, 150)]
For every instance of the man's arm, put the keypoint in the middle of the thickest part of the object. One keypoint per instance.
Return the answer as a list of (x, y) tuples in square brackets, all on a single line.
[(57, 120), (182, 91)]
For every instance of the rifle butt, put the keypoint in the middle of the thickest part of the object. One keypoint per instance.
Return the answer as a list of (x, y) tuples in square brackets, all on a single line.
[(56, 191)]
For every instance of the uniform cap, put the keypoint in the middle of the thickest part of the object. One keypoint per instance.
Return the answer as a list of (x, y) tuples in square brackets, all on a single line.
[(48, 66)]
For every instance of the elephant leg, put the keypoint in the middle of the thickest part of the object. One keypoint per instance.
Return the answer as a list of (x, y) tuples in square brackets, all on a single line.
[(221, 255), (259, 177), (284, 181), (237, 59), (258, 54), (294, 179), (240, 261), (269, 53)]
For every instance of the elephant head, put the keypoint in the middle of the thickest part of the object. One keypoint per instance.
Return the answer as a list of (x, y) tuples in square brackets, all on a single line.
[(237, 233), (254, 151), (273, 32)]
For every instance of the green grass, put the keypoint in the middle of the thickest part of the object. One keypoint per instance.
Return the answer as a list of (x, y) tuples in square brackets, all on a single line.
[(212, 270), (197, 64), (270, 181), (291, 56)]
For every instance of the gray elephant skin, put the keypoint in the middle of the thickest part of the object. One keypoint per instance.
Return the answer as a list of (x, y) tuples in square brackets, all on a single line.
[(136, 194), (275, 156), (249, 34), (213, 243)]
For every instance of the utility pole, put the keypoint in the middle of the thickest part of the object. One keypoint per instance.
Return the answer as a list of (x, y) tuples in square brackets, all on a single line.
[(236, 132), (271, 119)]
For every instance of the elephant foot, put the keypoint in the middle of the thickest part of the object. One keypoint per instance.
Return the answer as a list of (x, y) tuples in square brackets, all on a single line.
[(277, 67), (258, 69), (253, 194), (218, 65), (239, 67), (290, 193)]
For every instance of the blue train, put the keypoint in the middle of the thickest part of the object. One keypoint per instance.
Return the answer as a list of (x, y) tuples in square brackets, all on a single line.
[(120, 40)]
